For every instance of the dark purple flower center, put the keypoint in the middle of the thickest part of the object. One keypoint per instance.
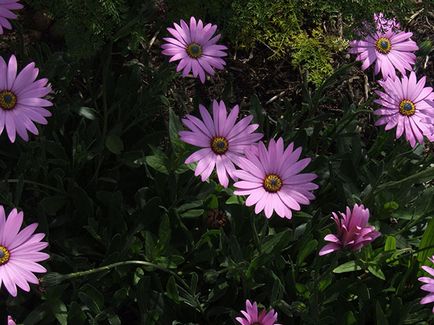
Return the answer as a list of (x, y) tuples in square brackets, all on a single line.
[(219, 145), (407, 107), (194, 50), (8, 100), (383, 45), (4, 255), (272, 183), (257, 323)]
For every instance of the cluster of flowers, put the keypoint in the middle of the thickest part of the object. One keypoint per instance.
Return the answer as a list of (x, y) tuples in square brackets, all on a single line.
[(271, 176), (21, 105)]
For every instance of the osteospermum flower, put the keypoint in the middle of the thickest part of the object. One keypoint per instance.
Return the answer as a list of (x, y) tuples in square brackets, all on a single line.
[(21, 99), (384, 24), (353, 231), (195, 48), (429, 284), (20, 252), (272, 180), (406, 105), (389, 50), (253, 317), (222, 140), (5, 13)]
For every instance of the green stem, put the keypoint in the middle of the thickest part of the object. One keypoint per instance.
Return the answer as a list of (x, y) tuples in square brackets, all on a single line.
[(3, 308), (34, 183), (59, 278)]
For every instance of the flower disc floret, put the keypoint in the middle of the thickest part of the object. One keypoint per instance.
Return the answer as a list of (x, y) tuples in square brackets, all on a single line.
[(219, 145), (194, 50), (272, 183), (8, 100), (4, 255), (383, 45), (407, 107)]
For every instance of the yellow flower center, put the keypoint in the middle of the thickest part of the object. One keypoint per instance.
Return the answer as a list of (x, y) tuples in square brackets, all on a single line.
[(272, 183), (219, 145), (407, 108), (8, 100), (194, 50), (4, 255), (383, 45)]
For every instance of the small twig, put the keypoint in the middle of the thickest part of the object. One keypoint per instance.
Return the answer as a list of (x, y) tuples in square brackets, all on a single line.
[(272, 99)]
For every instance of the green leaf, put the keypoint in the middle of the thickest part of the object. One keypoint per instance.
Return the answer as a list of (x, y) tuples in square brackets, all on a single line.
[(381, 317), (350, 266), (306, 251), (427, 241), (174, 127), (376, 271), (194, 213), (158, 162), (390, 244), (114, 144), (172, 289)]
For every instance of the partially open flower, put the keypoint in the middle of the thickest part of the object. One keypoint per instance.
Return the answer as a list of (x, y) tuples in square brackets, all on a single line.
[(429, 284), (253, 317), (353, 231)]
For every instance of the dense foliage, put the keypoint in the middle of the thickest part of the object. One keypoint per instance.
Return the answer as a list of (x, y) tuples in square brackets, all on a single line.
[(107, 183)]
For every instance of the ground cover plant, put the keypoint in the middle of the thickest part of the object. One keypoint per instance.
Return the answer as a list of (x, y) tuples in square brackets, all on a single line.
[(221, 162)]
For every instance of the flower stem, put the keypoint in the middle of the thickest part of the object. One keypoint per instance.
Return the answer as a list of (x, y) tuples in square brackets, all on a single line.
[(56, 278), (3, 308)]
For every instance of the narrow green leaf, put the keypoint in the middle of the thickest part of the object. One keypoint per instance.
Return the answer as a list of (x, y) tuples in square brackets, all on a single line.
[(427, 241), (350, 266)]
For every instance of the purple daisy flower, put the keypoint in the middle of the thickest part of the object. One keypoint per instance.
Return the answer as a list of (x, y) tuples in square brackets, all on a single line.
[(389, 50), (406, 105), (253, 317), (21, 99), (20, 252), (429, 284), (272, 179), (222, 140), (195, 47), (5, 13), (353, 231)]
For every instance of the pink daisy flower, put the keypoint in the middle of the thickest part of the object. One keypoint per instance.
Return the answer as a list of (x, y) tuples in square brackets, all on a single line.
[(429, 284), (5, 13), (405, 105), (272, 179), (195, 48), (389, 50), (21, 99), (222, 140), (253, 317), (19, 252), (353, 231)]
